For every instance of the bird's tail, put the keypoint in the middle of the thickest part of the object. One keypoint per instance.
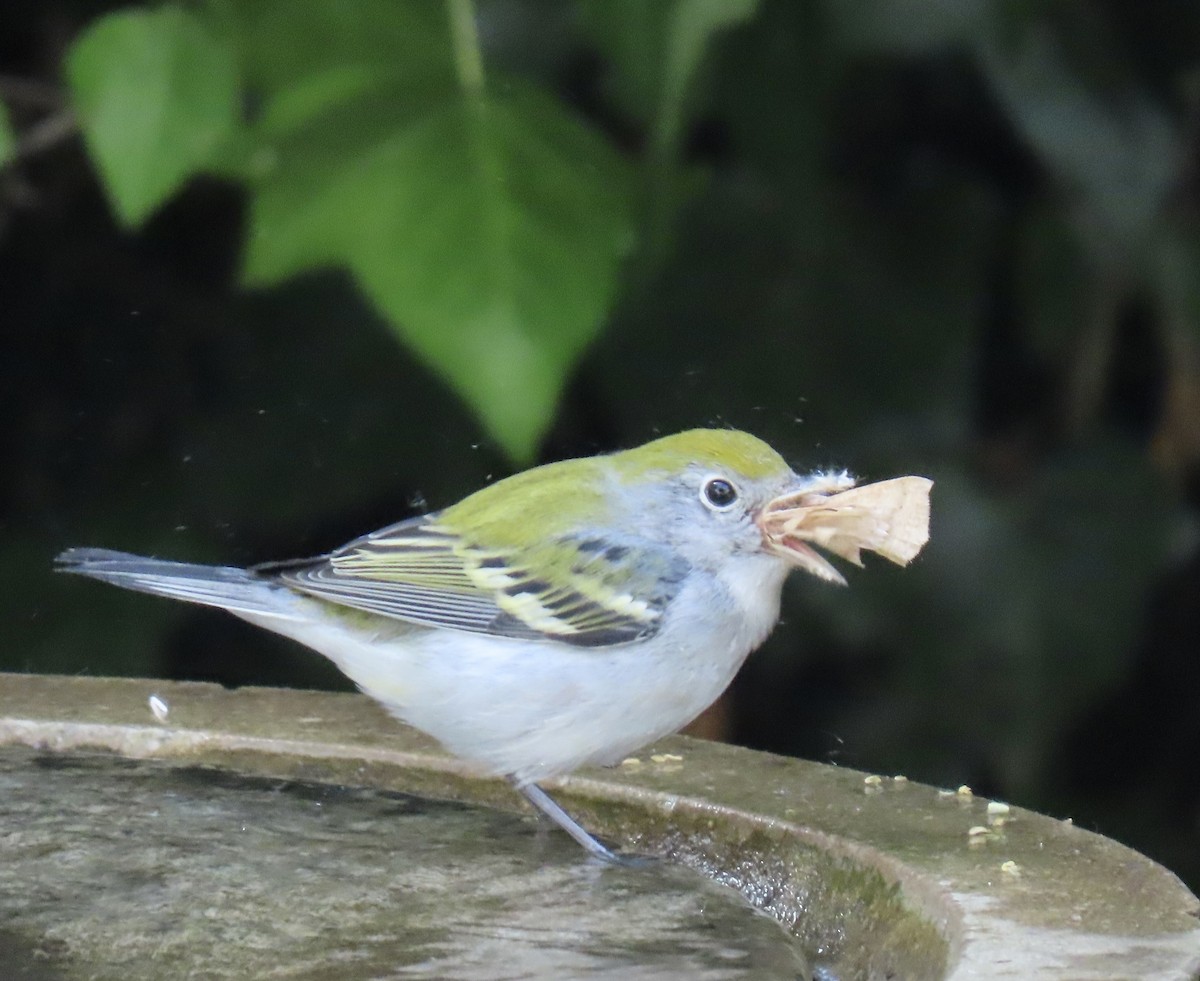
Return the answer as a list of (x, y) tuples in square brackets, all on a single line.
[(236, 590)]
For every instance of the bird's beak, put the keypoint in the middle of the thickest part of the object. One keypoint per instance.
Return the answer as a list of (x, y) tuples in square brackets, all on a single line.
[(890, 518)]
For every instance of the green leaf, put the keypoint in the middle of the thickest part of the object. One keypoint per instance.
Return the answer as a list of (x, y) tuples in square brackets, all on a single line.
[(284, 42), (656, 46), (8, 140), (157, 95), (303, 58), (314, 95), (489, 234), (694, 24), (632, 34)]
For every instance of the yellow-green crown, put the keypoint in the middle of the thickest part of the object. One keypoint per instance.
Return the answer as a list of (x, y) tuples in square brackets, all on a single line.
[(717, 448), (557, 497)]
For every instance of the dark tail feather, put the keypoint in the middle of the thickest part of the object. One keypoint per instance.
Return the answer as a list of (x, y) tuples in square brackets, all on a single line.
[(237, 590)]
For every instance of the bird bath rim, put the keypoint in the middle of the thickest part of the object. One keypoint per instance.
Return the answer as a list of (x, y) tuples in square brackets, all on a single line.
[(901, 876)]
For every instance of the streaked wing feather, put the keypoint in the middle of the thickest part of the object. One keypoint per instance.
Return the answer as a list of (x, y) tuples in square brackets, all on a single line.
[(418, 604), (423, 572)]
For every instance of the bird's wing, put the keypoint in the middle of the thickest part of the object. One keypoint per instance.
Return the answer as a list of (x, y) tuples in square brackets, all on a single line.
[(583, 589)]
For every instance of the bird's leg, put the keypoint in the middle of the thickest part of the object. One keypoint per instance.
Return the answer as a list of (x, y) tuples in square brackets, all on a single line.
[(541, 802)]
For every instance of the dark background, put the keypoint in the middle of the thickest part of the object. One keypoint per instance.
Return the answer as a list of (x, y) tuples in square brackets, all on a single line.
[(895, 259)]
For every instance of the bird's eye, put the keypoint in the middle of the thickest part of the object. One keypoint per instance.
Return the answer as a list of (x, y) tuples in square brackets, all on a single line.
[(718, 493)]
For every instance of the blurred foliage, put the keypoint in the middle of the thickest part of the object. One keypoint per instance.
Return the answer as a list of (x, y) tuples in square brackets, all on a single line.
[(7, 143), (953, 238), (376, 136), (157, 96)]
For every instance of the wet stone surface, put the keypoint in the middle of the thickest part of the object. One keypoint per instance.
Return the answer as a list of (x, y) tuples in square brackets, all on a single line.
[(116, 869)]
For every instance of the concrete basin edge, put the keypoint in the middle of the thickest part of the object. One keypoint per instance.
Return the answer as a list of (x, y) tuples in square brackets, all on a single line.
[(887, 876)]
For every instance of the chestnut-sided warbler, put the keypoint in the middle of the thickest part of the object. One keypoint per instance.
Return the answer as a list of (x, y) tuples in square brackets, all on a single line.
[(565, 616)]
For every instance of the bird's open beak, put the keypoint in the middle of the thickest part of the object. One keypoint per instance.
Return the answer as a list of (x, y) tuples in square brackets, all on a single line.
[(890, 517)]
